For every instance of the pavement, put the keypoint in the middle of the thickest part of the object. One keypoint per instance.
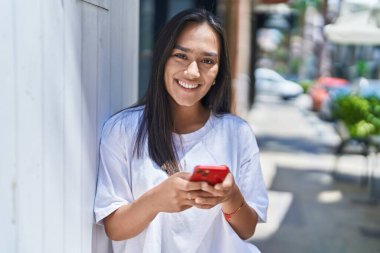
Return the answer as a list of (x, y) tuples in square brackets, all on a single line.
[(311, 208)]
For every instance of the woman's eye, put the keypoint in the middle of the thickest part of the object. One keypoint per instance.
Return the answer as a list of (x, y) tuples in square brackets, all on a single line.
[(208, 61), (180, 56)]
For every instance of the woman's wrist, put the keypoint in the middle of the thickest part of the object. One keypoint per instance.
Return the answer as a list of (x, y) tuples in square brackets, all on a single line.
[(150, 198), (233, 202)]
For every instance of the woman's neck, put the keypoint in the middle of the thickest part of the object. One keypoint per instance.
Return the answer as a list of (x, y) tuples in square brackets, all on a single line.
[(189, 119)]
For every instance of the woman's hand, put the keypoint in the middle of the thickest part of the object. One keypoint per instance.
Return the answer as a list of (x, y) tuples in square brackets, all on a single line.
[(231, 199), (172, 195), (210, 195), (176, 193)]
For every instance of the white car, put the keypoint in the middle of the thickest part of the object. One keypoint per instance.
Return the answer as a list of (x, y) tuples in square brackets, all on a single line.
[(269, 82)]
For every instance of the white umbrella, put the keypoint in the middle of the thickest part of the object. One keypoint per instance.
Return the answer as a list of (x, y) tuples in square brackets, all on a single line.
[(358, 23)]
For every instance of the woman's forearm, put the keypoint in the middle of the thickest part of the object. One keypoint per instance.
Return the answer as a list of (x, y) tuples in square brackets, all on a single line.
[(171, 195), (244, 221), (130, 220)]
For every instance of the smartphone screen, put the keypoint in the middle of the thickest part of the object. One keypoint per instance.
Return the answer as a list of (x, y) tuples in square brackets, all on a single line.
[(209, 173)]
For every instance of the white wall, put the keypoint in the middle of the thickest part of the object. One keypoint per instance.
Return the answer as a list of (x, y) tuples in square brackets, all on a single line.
[(65, 66)]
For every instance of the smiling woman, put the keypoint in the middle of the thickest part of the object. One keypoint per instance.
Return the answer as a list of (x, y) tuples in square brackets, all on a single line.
[(192, 68), (145, 196)]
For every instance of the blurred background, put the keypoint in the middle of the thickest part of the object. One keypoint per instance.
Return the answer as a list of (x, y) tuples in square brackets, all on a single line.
[(305, 75)]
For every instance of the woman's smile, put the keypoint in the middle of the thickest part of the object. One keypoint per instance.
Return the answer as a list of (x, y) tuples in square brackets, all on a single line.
[(187, 85)]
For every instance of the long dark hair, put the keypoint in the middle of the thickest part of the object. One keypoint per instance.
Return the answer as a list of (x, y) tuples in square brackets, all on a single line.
[(156, 122)]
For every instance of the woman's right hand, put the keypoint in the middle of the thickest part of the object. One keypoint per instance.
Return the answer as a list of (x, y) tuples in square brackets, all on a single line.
[(176, 193)]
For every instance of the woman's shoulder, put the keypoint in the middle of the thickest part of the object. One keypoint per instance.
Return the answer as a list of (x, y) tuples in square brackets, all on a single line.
[(231, 120), (236, 130), (126, 119), (233, 125)]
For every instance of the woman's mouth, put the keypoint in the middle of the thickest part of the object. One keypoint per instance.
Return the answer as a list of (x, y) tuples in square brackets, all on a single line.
[(187, 85)]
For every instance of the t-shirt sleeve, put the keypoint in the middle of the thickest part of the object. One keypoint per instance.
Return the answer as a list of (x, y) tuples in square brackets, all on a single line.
[(250, 178), (113, 189)]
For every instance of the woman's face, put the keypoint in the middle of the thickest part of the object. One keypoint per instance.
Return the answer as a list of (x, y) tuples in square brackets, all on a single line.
[(193, 64)]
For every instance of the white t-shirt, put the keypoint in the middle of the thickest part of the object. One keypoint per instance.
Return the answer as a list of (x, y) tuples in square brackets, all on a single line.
[(224, 139)]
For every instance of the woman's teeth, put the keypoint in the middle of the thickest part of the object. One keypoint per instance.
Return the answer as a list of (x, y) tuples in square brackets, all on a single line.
[(187, 85)]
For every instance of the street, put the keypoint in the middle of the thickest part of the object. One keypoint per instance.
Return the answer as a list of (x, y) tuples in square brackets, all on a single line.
[(310, 210)]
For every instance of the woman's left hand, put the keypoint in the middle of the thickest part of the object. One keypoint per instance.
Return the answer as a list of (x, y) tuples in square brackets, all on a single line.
[(210, 195)]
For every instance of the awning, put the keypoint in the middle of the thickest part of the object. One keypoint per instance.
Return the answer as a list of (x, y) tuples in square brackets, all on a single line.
[(358, 23)]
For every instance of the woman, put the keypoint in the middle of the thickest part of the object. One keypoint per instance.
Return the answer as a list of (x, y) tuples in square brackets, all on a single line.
[(144, 196)]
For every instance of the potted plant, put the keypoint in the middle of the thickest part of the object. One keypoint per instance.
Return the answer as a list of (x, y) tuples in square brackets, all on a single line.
[(361, 116)]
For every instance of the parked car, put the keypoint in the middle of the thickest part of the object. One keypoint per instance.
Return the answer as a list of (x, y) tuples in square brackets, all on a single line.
[(269, 82), (320, 91)]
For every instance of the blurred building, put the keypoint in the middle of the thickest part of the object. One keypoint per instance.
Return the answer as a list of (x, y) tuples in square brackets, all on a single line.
[(354, 38), (271, 26)]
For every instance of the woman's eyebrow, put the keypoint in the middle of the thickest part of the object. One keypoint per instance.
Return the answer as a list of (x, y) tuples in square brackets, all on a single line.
[(185, 49)]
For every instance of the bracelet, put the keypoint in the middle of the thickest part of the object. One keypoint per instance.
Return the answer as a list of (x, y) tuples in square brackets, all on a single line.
[(228, 216)]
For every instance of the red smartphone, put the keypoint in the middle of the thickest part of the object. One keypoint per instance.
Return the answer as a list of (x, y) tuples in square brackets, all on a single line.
[(211, 174)]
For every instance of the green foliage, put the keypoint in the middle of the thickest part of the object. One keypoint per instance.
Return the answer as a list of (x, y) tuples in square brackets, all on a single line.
[(306, 84), (360, 115), (281, 68), (301, 4), (361, 68), (294, 65)]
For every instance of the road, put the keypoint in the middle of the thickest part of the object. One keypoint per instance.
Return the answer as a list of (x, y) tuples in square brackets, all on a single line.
[(310, 210)]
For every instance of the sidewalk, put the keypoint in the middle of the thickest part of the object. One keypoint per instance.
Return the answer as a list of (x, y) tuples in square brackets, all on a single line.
[(309, 210)]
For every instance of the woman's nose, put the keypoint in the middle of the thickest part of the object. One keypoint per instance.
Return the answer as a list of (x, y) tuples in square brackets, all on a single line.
[(192, 70)]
